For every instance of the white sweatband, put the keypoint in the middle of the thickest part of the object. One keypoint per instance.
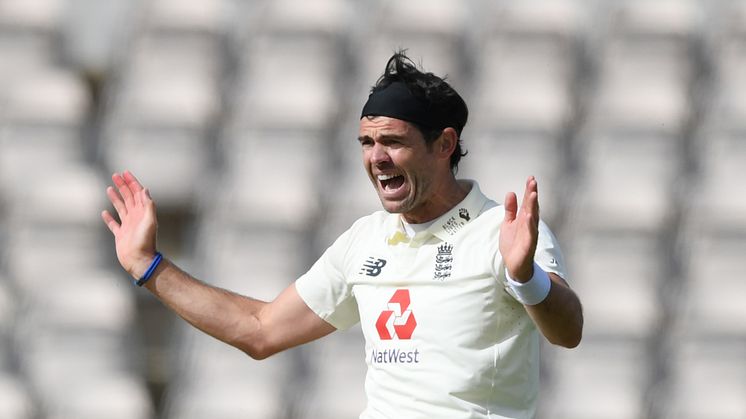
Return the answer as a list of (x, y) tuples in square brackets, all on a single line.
[(534, 291)]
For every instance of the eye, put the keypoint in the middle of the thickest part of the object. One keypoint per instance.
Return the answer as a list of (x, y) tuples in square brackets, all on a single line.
[(394, 143)]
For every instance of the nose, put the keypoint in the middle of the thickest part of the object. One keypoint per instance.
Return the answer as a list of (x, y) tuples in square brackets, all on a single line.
[(379, 154)]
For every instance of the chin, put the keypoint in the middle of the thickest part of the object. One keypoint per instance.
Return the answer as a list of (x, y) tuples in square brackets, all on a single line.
[(392, 207)]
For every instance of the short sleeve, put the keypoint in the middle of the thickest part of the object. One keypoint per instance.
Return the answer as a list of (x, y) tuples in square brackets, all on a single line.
[(324, 288), (548, 254)]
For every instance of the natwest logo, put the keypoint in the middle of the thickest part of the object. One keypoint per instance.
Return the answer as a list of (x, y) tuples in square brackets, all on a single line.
[(398, 320)]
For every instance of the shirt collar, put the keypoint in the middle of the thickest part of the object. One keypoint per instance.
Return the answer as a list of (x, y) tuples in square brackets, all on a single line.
[(448, 224)]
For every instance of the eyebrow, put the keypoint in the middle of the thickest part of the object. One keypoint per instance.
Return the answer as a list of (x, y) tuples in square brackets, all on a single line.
[(383, 137)]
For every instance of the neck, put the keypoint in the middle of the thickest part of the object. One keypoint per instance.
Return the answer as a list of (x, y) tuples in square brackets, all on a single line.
[(449, 193)]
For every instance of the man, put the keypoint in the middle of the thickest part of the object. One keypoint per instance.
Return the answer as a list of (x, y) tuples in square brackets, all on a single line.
[(450, 288)]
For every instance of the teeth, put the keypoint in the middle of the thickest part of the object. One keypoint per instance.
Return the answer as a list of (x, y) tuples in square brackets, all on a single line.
[(386, 177)]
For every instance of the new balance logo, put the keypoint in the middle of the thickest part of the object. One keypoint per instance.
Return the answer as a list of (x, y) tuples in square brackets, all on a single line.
[(373, 266), (398, 320)]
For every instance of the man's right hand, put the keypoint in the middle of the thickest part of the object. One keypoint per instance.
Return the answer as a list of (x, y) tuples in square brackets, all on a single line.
[(135, 235)]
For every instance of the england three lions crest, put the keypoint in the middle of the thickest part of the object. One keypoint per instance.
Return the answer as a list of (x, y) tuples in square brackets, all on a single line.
[(443, 262)]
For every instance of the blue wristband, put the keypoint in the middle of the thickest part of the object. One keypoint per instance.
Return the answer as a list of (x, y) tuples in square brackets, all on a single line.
[(151, 269)]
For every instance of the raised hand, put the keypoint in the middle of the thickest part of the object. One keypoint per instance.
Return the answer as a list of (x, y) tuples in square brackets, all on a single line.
[(520, 231), (135, 237)]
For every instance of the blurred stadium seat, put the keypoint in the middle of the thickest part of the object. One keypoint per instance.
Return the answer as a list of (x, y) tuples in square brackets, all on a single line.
[(42, 117), (15, 402), (628, 179), (526, 67), (271, 92), (336, 390), (116, 396), (216, 380), (603, 378), (705, 311), (696, 366), (618, 276), (273, 177), (500, 162)]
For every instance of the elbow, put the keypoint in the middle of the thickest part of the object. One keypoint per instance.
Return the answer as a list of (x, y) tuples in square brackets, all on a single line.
[(257, 351), (572, 341), (254, 351), (253, 341), (577, 340), (259, 355), (569, 340), (574, 334), (571, 337), (254, 344)]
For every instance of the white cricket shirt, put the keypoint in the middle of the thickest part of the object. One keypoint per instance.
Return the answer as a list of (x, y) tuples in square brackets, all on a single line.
[(443, 336)]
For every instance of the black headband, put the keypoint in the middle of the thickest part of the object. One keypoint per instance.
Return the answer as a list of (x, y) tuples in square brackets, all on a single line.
[(396, 101)]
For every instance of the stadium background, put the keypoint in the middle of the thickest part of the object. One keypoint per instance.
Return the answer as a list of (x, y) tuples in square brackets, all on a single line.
[(241, 117)]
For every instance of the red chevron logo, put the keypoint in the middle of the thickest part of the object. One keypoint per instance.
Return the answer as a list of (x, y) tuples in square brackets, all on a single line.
[(398, 320)]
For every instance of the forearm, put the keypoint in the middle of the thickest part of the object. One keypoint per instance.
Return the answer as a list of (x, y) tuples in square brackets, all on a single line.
[(258, 328), (229, 317), (560, 316)]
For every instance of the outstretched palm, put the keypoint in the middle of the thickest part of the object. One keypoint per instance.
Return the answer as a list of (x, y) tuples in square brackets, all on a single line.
[(520, 231), (135, 237)]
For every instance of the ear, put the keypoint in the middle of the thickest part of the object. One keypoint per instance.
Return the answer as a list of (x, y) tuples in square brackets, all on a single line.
[(447, 142)]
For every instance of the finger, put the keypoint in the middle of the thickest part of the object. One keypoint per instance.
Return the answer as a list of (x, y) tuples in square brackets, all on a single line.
[(148, 203), (116, 201), (511, 206), (147, 200), (530, 187), (532, 210), (530, 202), (124, 190), (110, 222), (134, 185), (535, 199), (532, 184)]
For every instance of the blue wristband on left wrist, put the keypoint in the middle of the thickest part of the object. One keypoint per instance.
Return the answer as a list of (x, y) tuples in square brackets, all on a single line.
[(151, 269)]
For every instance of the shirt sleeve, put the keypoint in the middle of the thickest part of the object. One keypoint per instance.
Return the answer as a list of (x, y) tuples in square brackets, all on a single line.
[(548, 254), (325, 289)]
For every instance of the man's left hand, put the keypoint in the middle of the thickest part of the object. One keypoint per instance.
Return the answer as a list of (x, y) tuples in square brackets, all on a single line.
[(520, 231)]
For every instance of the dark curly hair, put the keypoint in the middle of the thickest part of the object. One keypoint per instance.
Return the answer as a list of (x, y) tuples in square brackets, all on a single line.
[(433, 89)]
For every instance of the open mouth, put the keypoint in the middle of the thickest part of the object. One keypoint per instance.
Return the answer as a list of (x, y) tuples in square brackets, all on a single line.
[(391, 183)]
